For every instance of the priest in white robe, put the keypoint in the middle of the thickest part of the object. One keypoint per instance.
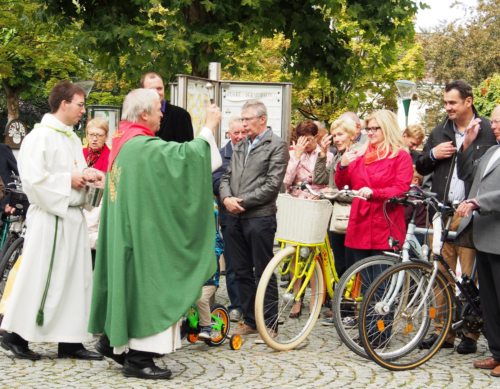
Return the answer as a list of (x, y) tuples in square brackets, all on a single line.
[(50, 300)]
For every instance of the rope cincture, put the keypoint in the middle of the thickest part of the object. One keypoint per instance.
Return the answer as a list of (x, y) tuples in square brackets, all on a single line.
[(40, 315)]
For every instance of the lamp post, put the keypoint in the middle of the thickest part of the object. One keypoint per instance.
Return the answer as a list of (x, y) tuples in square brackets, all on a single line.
[(406, 90)]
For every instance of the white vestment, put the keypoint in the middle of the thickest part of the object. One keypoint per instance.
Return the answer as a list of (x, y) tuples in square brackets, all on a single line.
[(168, 341), (48, 156)]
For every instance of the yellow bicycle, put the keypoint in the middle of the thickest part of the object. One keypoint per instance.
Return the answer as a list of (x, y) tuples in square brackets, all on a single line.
[(303, 270)]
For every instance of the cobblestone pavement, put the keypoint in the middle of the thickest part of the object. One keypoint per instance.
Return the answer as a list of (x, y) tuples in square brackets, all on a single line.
[(323, 361)]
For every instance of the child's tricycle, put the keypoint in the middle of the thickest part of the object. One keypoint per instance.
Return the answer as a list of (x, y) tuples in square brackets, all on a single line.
[(220, 327)]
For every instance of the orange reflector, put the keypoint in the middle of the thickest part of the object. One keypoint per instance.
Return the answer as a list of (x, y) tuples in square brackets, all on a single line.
[(432, 313), (380, 325), (408, 328)]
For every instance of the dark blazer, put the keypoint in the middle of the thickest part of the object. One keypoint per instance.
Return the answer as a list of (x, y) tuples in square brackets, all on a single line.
[(176, 124), (443, 169), (8, 166), (226, 153), (486, 221)]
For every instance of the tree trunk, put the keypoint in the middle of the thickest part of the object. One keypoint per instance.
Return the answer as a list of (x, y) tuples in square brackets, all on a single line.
[(12, 95)]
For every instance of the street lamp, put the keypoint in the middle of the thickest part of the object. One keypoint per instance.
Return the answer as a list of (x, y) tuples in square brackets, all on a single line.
[(406, 90)]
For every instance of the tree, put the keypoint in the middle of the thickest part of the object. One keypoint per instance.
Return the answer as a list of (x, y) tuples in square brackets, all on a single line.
[(487, 95), (184, 35), (33, 53), (465, 51)]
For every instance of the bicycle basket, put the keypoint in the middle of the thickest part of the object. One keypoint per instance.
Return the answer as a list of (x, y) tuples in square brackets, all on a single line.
[(302, 220)]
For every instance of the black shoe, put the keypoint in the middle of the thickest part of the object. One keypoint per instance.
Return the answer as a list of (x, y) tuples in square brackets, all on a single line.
[(467, 346), (103, 347), (81, 353), (150, 372), (431, 340), (21, 352)]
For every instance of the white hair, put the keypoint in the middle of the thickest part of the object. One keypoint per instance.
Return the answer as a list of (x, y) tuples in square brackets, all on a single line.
[(137, 102)]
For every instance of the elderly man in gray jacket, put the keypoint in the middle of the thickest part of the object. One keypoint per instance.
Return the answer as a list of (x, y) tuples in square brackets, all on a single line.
[(482, 209), (248, 190)]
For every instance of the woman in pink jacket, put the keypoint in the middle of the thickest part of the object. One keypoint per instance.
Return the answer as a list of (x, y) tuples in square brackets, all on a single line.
[(380, 171)]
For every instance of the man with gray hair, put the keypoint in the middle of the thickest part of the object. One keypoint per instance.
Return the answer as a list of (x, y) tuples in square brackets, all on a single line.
[(236, 134), (248, 190), (156, 239)]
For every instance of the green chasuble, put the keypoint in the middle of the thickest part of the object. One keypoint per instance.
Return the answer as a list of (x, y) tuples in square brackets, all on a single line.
[(156, 238)]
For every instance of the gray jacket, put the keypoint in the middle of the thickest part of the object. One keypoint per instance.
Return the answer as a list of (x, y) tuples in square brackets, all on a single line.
[(486, 189), (258, 181)]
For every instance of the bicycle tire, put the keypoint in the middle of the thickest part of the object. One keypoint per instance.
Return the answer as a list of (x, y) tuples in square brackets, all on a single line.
[(9, 240), (278, 330), (8, 260), (346, 305), (392, 337), (218, 337)]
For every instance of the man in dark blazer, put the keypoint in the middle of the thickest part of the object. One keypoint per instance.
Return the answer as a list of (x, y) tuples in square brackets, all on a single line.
[(236, 134), (482, 208), (176, 123), (439, 158)]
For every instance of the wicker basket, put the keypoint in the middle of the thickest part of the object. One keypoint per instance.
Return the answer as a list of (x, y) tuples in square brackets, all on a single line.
[(302, 220)]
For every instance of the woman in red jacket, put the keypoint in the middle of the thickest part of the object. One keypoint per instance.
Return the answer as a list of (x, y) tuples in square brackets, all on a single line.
[(97, 152), (380, 171)]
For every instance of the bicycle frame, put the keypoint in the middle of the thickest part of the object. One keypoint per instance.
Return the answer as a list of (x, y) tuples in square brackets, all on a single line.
[(307, 257)]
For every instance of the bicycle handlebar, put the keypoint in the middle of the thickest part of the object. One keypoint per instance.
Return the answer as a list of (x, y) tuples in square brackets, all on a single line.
[(346, 192)]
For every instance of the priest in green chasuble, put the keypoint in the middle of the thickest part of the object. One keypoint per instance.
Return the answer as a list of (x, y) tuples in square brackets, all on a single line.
[(156, 243)]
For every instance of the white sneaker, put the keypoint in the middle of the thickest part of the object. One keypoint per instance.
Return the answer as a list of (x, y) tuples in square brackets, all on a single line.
[(205, 333), (349, 322)]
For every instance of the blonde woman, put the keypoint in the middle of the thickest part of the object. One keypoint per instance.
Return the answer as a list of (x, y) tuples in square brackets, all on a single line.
[(342, 134), (380, 171)]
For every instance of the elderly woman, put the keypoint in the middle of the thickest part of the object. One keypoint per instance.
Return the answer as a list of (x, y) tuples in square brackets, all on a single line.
[(382, 170), (97, 156), (303, 156), (343, 133), (97, 152)]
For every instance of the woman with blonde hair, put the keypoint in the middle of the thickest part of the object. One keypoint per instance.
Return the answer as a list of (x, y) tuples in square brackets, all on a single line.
[(381, 170), (97, 152), (342, 135)]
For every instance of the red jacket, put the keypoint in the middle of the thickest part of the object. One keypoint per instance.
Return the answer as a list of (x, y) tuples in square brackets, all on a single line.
[(368, 228), (102, 163)]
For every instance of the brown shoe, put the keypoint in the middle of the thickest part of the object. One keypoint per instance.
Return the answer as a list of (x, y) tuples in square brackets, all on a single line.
[(244, 329), (328, 314), (496, 371), (488, 363)]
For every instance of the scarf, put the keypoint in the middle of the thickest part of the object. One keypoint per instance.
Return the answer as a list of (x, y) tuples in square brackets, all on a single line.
[(93, 156), (126, 131), (373, 154)]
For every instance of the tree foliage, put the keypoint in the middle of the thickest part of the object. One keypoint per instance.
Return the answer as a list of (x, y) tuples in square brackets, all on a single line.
[(465, 51), (326, 36), (487, 95), (33, 54)]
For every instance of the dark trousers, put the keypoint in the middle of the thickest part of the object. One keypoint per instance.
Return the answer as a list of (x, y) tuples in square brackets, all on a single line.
[(231, 285), (249, 244), (13, 338), (337, 241), (488, 271)]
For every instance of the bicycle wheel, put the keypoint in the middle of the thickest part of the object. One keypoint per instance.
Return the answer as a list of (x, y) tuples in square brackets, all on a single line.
[(401, 307), (8, 260), (220, 326), (276, 296), (349, 295)]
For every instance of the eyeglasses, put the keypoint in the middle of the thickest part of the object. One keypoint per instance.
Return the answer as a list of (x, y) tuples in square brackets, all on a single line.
[(81, 105), (372, 130), (250, 118), (93, 135)]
